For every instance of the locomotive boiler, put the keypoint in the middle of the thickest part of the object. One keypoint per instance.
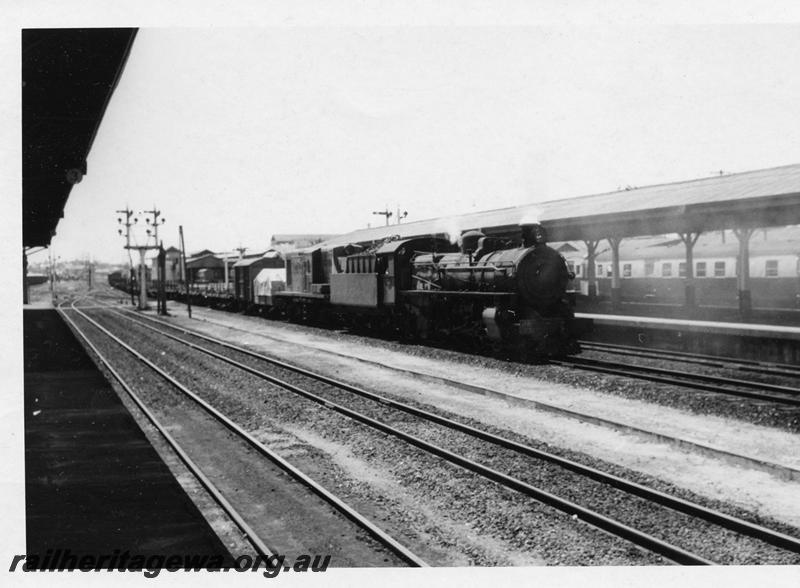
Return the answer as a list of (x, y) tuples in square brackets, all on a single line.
[(514, 297)]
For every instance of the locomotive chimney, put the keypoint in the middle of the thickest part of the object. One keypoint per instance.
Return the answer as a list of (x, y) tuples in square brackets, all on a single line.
[(533, 234), (469, 241)]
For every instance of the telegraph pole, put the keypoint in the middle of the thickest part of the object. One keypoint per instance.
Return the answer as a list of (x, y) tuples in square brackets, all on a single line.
[(155, 224), (386, 212), (127, 224), (142, 249), (90, 273), (162, 277), (400, 215), (184, 272)]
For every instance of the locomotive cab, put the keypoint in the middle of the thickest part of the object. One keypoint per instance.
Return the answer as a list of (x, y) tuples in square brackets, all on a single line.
[(373, 278)]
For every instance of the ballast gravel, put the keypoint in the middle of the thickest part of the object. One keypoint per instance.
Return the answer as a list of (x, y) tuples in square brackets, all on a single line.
[(499, 526)]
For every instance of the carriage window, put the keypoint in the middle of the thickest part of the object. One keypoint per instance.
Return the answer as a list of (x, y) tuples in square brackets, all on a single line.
[(700, 269), (626, 270), (682, 269), (666, 270), (771, 269), (600, 270), (719, 269)]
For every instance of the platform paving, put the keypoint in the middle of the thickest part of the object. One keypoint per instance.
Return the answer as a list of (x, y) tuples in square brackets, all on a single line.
[(93, 482)]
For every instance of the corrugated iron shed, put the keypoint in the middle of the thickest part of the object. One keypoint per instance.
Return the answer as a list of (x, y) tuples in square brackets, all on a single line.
[(248, 261), (204, 261)]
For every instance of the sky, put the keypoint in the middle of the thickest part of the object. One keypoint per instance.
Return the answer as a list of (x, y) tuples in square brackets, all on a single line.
[(241, 133)]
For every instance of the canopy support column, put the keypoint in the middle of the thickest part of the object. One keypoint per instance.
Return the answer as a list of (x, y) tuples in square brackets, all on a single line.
[(690, 297), (743, 274), (591, 278), (616, 282)]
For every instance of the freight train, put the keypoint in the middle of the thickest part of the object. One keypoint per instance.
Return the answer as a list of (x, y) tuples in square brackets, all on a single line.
[(510, 296)]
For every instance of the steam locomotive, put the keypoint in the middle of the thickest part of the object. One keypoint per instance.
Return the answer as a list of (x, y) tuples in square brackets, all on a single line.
[(509, 296), (489, 292)]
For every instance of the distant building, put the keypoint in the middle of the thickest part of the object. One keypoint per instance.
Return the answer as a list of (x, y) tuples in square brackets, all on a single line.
[(205, 267), (209, 267), (201, 253), (173, 266)]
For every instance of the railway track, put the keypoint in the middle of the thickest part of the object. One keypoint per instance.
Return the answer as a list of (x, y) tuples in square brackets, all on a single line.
[(297, 494), (786, 395), (776, 469), (379, 411), (722, 362), (779, 394)]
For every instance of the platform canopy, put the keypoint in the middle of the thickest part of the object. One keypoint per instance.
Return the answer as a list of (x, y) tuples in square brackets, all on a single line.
[(68, 77), (762, 198)]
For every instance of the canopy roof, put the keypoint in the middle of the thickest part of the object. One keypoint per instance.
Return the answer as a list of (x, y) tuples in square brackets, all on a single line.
[(68, 77), (762, 198)]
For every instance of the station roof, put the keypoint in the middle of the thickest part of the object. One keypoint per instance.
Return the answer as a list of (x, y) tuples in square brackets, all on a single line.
[(68, 77), (762, 198), (206, 260), (299, 241)]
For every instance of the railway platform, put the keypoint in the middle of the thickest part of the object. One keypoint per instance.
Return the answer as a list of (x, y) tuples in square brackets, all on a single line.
[(765, 342), (93, 482)]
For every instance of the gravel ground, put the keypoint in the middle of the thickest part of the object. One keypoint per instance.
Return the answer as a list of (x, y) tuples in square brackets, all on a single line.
[(697, 401), (731, 435), (713, 543), (449, 515), (727, 434)]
